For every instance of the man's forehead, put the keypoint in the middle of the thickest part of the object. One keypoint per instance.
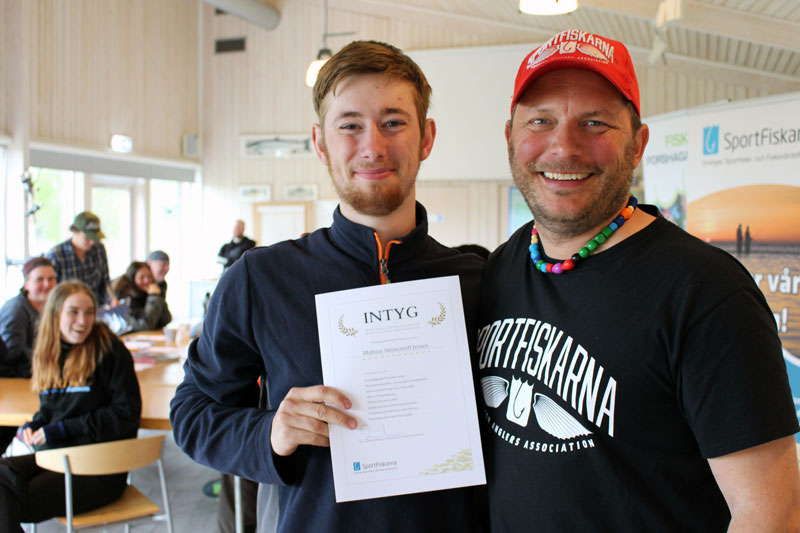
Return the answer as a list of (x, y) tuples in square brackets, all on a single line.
[(388, 110), (562, 81), (42, 271), (400, 91)]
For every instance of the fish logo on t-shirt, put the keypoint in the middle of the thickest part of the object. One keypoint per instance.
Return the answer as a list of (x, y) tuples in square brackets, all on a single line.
[(550, 416)]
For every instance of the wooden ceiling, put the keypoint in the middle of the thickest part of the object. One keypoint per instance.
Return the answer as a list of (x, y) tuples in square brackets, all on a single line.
[(747, 38)]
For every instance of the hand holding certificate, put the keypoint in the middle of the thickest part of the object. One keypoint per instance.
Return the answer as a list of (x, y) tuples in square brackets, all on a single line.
[(399, 352)]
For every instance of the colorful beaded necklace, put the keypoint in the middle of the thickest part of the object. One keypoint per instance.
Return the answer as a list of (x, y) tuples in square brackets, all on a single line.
[(586, 251)]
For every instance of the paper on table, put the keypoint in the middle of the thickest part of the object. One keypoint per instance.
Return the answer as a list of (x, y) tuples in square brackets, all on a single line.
[(400, 353)]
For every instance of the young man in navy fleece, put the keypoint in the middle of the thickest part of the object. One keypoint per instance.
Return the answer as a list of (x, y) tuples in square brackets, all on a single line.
[(373, 133)]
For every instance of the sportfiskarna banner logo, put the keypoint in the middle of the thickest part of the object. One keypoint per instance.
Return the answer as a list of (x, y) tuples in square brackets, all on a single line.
[(710, 140), (732, 142)]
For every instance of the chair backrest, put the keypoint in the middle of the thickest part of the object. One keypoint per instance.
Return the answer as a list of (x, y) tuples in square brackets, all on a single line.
[(114, 457)]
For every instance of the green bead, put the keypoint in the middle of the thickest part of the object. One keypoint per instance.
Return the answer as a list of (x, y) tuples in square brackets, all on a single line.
[(607, 232), (583, 252), (600, 238), (591, 245), (539, 263)]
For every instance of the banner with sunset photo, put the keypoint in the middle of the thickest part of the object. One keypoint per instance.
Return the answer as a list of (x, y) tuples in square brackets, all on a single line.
[(743, 195)]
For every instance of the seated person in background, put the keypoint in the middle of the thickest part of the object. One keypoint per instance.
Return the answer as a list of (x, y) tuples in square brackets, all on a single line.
[(19, 315), (148, 309), (158, 261), (88, 393)]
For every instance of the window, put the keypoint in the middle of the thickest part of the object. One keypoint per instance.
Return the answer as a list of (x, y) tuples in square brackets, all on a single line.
[(112, 203), (53, 190), (165, 215), (143, 206)]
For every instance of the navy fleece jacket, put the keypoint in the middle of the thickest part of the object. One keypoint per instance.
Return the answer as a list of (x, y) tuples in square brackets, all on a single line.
[(261, 321)]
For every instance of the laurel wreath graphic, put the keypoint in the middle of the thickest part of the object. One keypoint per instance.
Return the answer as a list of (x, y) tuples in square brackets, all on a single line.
[(437, 320), (344, 329), (458, 462)]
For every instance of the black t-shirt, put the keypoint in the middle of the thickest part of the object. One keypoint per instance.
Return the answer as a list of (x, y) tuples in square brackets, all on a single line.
[(607, 388)]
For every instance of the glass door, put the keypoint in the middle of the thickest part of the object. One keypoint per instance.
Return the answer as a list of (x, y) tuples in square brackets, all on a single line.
[(112, 201)]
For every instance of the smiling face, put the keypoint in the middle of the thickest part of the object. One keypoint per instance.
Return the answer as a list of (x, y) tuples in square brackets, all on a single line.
[(159, 269), (38, 284), (77, 318), (572, 151), (143, 278), (371, 142)]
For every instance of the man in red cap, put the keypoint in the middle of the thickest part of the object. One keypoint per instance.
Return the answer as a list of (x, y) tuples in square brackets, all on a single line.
[(632, 375)]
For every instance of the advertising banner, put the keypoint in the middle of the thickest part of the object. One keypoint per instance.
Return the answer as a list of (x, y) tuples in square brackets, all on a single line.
[(742, 190), (664, 165)]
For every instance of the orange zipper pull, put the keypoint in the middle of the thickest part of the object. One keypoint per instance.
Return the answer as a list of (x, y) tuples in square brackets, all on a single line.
[(383, 259)]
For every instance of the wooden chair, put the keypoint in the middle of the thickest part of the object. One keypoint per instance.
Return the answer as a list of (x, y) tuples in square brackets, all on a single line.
[(109, 458)]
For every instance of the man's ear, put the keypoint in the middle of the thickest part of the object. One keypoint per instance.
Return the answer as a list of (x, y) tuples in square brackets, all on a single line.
[(319, 143), (427, 141), (640, 142)]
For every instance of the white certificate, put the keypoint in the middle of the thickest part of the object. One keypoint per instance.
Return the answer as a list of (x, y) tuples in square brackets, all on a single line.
[(400, 353)]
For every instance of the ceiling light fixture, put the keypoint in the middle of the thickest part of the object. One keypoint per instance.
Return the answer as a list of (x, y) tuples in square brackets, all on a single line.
[(547, 7), (324, 53)]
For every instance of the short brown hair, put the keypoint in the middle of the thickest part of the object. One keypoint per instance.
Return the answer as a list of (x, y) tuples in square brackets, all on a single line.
[(372, 57)]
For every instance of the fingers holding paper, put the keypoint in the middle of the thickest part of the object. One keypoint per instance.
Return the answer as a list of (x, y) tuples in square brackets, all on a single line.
[(303, 417)]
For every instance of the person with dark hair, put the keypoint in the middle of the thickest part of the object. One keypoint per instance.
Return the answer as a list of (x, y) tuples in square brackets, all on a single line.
[(147, 306), (158, 261), (83, 256), (18, 319), (632, 375), (373, 133), (88, 393), (20, 314), (476, 249)]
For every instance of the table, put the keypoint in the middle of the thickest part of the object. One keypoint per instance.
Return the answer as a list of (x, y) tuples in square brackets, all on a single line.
[(157, 383)]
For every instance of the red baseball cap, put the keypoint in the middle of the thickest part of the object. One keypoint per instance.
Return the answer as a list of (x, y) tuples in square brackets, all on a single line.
[(581, 50)]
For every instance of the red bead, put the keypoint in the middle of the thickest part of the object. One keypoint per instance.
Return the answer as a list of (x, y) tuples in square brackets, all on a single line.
[(567, 265), (549, 267)]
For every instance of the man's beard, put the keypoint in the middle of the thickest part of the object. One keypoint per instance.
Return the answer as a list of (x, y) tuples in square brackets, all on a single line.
[(605, 206), (375, 199), (378, 198)]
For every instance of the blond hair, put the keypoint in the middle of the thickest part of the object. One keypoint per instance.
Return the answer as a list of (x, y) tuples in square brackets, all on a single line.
[(81, 359), (372, 57)]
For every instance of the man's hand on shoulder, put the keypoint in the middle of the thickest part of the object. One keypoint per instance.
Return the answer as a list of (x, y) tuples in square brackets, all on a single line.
[(153, 288), (303, 417)]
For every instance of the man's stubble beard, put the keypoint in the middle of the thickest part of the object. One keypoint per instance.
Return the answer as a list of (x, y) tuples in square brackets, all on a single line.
[(378, 198), (605, 207)]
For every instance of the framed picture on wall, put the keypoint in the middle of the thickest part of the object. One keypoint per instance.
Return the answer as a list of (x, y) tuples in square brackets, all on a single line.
[(276, 145), (255, 193), (300, 193)]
